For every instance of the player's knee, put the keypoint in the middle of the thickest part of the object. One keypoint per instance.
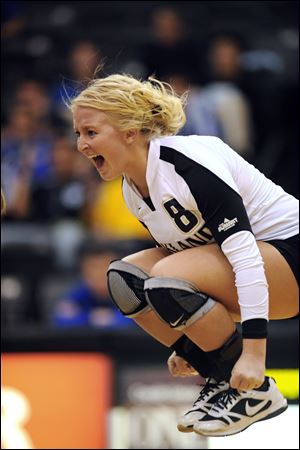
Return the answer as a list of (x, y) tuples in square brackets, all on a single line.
[(177, 302), (126, 287)]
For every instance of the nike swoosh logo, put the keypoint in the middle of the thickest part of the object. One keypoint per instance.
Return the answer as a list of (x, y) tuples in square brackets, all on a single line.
[(173, 324), (252, 410)]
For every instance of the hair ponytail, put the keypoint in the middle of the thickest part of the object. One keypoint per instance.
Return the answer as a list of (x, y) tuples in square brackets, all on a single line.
[(150, 106)]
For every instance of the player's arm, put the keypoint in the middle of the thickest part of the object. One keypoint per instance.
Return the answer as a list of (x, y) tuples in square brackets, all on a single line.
[(225, 215)]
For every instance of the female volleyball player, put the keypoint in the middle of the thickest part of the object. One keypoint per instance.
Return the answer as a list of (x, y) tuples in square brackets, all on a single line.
[(226, 246)]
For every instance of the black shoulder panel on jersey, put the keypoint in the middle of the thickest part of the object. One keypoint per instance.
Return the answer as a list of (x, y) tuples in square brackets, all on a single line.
[(221, 206)]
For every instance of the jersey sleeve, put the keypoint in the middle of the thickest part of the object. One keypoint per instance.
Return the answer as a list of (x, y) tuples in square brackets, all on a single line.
[(225, 215)]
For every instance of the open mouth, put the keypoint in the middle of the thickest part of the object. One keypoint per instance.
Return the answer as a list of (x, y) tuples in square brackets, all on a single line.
[(98, 161)]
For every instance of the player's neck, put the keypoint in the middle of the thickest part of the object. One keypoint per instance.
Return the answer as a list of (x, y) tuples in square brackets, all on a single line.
[(141, 187), (136, 173)]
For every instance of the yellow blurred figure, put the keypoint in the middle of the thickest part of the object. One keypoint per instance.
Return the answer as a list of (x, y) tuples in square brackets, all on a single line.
[(110, 216)]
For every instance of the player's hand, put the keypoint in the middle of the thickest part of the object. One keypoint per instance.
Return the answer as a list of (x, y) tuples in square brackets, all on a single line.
[(248, 372), (178, 367)]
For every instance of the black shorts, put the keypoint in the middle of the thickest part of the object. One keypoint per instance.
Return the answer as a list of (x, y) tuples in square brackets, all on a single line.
[(289, 248)]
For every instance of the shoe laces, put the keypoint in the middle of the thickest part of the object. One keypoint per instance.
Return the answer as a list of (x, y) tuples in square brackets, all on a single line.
[(210, 386), (226, 398)]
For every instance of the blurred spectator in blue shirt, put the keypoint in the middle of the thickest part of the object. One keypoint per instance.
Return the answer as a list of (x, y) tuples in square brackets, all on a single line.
[(25, 147), (88, 302)]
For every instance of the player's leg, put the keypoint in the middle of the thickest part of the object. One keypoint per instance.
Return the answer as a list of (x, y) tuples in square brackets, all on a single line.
[(126, 279), (126, 283), (147, 319), (202, 266), (222, 348), (151, 260)]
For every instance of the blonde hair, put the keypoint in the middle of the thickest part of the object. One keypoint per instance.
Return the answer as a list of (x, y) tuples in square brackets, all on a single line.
[(149, 106)]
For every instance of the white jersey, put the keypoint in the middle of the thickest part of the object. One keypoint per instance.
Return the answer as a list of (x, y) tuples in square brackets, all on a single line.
[(201, 191)]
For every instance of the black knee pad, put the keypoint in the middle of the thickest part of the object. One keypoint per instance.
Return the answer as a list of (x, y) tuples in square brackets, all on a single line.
[(126, 287), (177, 302)]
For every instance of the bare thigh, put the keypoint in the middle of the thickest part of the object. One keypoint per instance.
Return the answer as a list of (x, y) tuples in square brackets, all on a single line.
[(146, 259), (208, 269)]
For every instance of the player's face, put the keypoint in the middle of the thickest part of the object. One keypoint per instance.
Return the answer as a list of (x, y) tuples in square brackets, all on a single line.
[(100, 141)]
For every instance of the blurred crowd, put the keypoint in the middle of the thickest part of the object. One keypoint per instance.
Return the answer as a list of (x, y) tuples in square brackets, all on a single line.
[(63, 224)]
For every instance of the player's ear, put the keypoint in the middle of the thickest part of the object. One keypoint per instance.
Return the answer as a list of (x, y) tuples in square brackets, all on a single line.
[(131, 135)]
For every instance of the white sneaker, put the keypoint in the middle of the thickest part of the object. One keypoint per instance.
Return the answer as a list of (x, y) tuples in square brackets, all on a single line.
[(208, 396), (235, 411)]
